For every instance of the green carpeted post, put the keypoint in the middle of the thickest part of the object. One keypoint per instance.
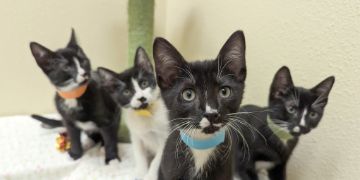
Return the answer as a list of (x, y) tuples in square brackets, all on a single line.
[(141, 26), (141, 29)]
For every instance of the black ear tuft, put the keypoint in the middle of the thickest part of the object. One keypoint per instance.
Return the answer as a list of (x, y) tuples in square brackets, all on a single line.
[(142, 60), (232, 56), (168, 62), (106, 74), (42, 55), (109, 79), (73, 42), (282, 82), (324, 87)]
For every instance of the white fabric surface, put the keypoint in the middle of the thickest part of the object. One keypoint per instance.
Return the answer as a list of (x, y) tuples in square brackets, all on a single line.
[(28, 152)]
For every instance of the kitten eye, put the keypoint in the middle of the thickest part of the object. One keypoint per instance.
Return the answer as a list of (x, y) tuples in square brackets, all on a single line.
[(291, 110), (224, 92), (144, 84), (313, 115), (188, 94), (126, 92)]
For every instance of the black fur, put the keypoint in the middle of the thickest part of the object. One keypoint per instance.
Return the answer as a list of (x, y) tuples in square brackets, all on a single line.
[(48, 123), (287, 103), (205, 80), (95, 105)]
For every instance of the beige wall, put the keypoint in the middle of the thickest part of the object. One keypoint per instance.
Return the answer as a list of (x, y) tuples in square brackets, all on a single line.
[(101, 28), (314, 38)]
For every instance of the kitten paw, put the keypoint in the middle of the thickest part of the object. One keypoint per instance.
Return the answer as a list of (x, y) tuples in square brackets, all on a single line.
[(108, 159), (75, 156), (150, 177), (139, 174)]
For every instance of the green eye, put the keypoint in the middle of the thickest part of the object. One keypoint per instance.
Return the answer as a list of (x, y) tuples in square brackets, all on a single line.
[(126, 92), (144, 84), (291, 110), (188, 94), (224, 92), (313, 115)]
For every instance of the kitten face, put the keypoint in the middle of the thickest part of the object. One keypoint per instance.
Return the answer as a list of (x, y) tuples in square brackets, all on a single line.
[(134, 88), (66, 68), (300, 108), (200, 95)]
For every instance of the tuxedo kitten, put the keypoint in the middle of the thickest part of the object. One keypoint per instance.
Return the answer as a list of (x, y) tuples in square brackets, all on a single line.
[(145, 114), (199, 96), (83, 104), (292, 112)]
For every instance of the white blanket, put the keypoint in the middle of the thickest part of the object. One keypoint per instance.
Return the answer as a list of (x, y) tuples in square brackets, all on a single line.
[(28, 151)]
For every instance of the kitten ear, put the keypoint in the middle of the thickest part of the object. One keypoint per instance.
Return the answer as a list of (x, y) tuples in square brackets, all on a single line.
[(73, 42), (282, 82), (109, 78), (232, 56), (324, 87), (142, 60), (168, 62), (42, 55)]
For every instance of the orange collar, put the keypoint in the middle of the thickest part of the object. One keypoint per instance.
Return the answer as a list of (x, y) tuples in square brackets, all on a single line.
[(73, 94)]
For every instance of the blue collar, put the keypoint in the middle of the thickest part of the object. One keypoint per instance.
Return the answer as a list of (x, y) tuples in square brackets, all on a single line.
[(218, 138)]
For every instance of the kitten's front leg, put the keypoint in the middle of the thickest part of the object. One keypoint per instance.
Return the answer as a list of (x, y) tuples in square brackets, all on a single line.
[(155, 165), (141, 158), (76, 150), (109, 134)]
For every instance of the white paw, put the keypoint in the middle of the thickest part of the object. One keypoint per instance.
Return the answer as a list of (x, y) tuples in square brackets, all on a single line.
[(139, 174), (114, 162), (150, 177)]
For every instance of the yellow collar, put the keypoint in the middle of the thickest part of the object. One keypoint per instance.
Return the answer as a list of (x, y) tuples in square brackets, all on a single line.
[(281, 133), (148, 112)]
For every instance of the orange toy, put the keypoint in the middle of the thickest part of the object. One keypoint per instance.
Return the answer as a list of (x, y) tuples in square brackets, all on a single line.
[(62, 142), (73, 94)]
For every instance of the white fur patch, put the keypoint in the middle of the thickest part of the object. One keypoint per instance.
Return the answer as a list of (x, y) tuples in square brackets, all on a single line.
[(146, 93), (262, 168), (204, 123), (71, 103), (150, 133), (80, 71), (296, 129), (210, 109), (86, 126), (237, 178), (201, 157), (302, 121), (259, 165), (217, 124)]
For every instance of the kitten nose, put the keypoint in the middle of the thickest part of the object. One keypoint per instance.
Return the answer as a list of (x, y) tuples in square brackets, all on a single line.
[(213, 117), (142, 99)]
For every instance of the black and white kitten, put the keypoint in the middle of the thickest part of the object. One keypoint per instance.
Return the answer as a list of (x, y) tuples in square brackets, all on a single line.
[(136, 91), (93, 110), (199, 96), (292, 112)]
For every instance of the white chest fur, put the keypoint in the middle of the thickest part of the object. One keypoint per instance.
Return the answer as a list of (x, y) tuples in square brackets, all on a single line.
[(70, 103), (201, 158), (150, 130), (86, 126)]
